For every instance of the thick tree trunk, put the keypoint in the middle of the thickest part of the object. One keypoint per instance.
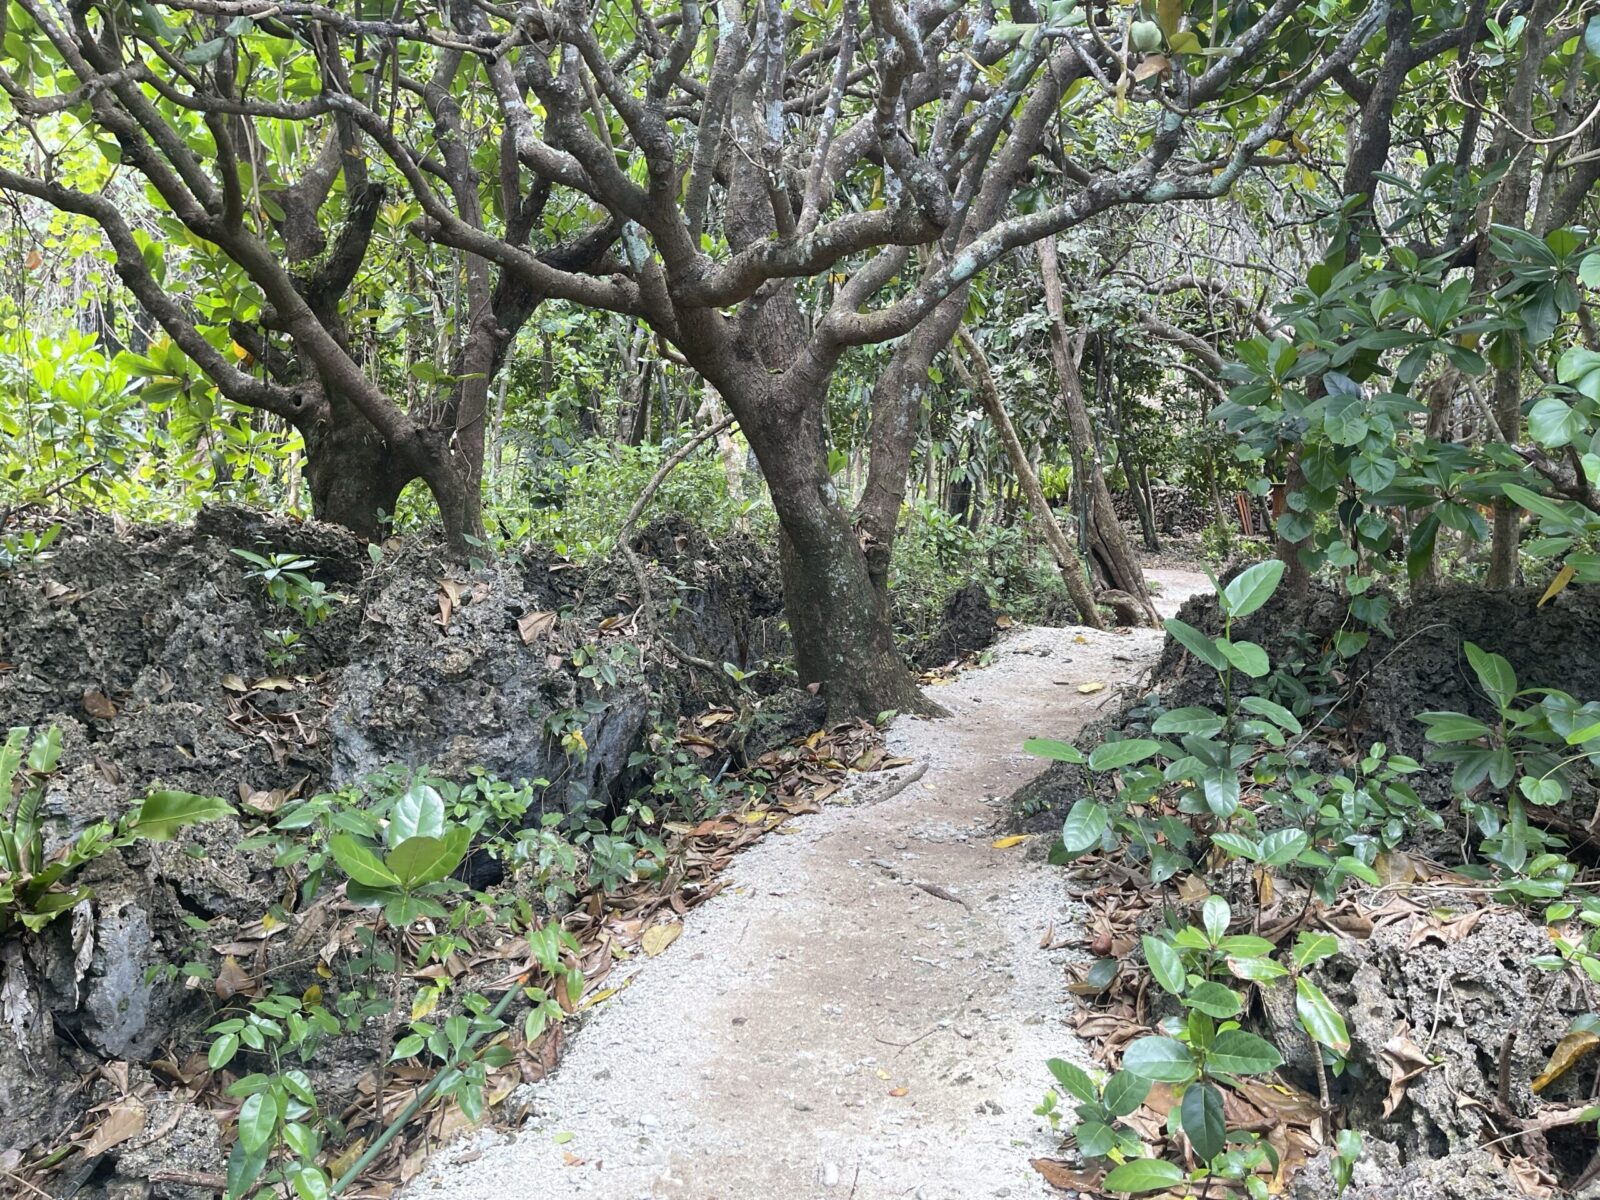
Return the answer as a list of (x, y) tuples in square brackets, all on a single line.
[(843, 639), (353, 477), (981, 380), (1107, 541)]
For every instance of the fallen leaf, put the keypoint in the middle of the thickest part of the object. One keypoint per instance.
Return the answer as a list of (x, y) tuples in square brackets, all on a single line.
[(1403, 1061), (562, 1138), (1089, 689), (899, 1091), (1060, 1175), (449, 600), (98, 706), (658, 937), (534, 625), (124, 1119), (1569, 1051), (1557, 585), (1006, 843), (233, 980)]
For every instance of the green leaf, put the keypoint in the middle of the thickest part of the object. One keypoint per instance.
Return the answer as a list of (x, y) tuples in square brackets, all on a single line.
[(1215, 1000), (418, 813), (1319, 1017), (258, 1120), (1245, 656), (1553, 423), (1196, 720), (1143, 1175), (164, 813), (222, 1051), (1494, 673), (1447, 727), (361, 864), (1236, 1052), (1124, 1092), (1196, 643), (1108, 756), (1202, 1120), (1282, 846), (1215, 915), (1074, 1080), (1054, 750), (1161, 1059), (1238, 845), (206, 52), (420, 860), (1313, 947), (1085, 823), (1275, 713), (1165, 965), (1252, 588)]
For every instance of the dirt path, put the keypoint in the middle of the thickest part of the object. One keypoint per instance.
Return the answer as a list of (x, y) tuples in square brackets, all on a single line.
[(826, 1028)]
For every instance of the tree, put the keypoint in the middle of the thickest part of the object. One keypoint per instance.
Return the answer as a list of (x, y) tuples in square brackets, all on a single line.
[(687, 173)]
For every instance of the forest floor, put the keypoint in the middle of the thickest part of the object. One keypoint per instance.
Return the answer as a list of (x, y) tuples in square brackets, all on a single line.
[(866, 1010)]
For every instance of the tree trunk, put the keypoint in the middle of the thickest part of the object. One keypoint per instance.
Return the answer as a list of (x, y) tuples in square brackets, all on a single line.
[(843, 640), (353, 477), (1107, 542), (896, 399), (981, 380)]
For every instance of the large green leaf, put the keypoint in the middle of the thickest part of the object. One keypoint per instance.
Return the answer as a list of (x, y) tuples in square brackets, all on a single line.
[(258, 1120), (418, 813), (1161, 1059), (1202, 1119), (1319, 1017), (164, 813), (1494, 673), (1236, 1052), (1143, 1175), (1055, 750), (1252, 587), (1165, 965), (1108, 756), (1447, 727), (361, 864), (1085, 823), (1245, 656), (1074, 1080), (1196, 643), (1124, 1092), (420, 860), (1196, 720)]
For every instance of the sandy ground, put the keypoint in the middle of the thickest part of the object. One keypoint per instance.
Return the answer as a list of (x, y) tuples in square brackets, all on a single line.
[(824, 1027)]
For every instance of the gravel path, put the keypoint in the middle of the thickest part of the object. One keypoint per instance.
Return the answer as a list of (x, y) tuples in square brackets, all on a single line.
[(826, 1027)]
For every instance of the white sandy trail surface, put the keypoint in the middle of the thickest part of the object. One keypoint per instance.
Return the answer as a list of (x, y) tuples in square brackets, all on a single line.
[(824, 1027)]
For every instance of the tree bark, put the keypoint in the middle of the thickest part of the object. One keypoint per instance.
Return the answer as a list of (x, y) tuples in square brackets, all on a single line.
[(981, 380), (1107, 542), (844, 643)]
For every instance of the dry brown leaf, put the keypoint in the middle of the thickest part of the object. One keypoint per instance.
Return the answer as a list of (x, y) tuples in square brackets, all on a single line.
[(535, 625), (1403, 1060), (124, 1119), (658, 937), (233, 980), (899, 1091), (1531, 1179), (449, 600), (1152, 64), (1569, 1052), (98, 705), (1060, 1175)]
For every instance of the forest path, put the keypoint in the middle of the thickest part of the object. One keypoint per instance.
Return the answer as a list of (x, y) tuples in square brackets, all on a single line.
[(824, 1028)]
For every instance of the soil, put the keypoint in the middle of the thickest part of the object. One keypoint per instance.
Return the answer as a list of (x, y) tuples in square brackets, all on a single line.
[(829, 1025)]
